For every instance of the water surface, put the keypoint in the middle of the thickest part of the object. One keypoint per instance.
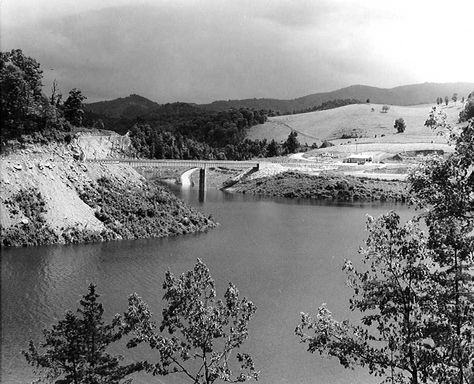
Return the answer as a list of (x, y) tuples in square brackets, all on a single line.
[(285, 255)]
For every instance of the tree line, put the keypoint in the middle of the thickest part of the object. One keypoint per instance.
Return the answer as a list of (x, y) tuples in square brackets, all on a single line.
[(330, 104)]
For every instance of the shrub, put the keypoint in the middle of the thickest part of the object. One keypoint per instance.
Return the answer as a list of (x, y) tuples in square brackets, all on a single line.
[(400, 125)]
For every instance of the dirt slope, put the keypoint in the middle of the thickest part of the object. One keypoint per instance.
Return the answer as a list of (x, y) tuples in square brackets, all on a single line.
[(48, 196)]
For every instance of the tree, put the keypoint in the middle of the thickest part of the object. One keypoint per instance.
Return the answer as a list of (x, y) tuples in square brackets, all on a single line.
[(468, 112), (73, 108), (454, 97), (444, 188), (273, 149), (368, 101), (55, 98), (446, 100), (385, 108), (400, 125), (391, 294), (198, 332), (74, 350), (20, 92), (291, 144)]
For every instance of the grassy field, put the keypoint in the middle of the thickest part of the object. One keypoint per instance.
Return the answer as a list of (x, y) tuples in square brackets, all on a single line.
[(341, 125)]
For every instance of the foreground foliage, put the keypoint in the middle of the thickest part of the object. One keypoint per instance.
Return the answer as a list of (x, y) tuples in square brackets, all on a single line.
[(198, 332), (468, 111), (445, 190), (416, 296), (393, 293), (74, 350)]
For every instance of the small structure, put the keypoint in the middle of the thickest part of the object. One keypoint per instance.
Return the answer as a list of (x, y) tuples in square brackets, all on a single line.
[(358, 158)]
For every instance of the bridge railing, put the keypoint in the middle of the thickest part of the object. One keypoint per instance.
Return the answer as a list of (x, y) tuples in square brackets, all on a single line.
[(179, 163)]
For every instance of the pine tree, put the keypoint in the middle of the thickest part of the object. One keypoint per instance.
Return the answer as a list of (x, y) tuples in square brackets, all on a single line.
[(74, 350), (273, 149), (291, 144)]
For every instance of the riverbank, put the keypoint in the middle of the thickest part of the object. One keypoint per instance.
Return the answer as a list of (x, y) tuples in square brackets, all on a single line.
[(293, 184), (50, 197)]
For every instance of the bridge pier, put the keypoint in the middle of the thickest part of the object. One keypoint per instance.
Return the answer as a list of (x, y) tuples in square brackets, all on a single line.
[(202, 184)]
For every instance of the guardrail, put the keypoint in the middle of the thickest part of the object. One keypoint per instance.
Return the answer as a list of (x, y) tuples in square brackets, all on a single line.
[(179, 163)]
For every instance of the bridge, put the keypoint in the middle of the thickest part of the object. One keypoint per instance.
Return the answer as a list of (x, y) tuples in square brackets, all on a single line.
[(201, 164)]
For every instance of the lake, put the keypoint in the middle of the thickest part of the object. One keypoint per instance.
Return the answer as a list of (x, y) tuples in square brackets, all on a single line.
[(284, 255)]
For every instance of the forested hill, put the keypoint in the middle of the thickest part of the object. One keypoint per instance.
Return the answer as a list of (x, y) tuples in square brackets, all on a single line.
[(129, 107), (115, 114), (413, 94), (180, 130)]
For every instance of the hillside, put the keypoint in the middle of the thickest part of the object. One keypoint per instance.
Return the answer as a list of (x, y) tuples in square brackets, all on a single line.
[(413, 94), (50, 197), (120, 115), (351, 121), (128, 107)]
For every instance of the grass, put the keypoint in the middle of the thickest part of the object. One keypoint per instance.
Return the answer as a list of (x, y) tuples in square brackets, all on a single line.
[(356, 120)]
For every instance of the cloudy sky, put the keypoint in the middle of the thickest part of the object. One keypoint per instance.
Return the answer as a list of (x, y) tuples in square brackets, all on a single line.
[(200, 51)]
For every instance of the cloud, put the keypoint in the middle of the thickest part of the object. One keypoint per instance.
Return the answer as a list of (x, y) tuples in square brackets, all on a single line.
[(205, 50)]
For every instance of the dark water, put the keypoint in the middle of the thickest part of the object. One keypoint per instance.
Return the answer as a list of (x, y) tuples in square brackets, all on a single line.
[(284, 255)]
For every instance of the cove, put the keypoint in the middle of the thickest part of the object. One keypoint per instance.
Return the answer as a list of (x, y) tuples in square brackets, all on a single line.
[(285, 255)]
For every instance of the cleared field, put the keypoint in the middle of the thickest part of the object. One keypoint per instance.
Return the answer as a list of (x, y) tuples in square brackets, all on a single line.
[(342, 124)]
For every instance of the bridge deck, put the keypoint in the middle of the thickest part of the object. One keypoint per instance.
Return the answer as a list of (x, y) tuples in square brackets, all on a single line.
[(179, 163)]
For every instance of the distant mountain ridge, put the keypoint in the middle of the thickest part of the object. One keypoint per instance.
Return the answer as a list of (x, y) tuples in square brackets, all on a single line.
[(404, 95), (134, 106)]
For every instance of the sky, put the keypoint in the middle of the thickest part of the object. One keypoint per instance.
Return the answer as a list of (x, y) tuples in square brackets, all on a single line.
[(201, 51)]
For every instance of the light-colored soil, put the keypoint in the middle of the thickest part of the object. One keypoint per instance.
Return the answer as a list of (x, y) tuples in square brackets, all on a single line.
[(54, 172), (49, 196)]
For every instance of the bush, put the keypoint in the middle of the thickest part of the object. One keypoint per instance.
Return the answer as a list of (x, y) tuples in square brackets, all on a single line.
[(33, 229), (400, 125), (132, 212), (326, 144)]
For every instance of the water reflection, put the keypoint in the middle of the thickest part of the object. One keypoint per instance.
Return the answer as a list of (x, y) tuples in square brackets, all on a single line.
[(202, 195), (285, 255)]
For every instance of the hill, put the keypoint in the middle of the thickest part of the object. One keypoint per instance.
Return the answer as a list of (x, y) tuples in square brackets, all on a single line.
[(128, 107), (121, 114), (413, 94), (49, 197), (354, 121)]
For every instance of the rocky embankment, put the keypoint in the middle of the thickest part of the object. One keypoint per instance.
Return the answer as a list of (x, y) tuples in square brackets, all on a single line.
[(48, 197), (292, 184)]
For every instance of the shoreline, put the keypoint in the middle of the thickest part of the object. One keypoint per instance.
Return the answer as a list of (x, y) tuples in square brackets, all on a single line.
[(336, 187)]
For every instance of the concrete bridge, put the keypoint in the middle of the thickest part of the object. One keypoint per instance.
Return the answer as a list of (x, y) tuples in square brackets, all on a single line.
[(201, 164)]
